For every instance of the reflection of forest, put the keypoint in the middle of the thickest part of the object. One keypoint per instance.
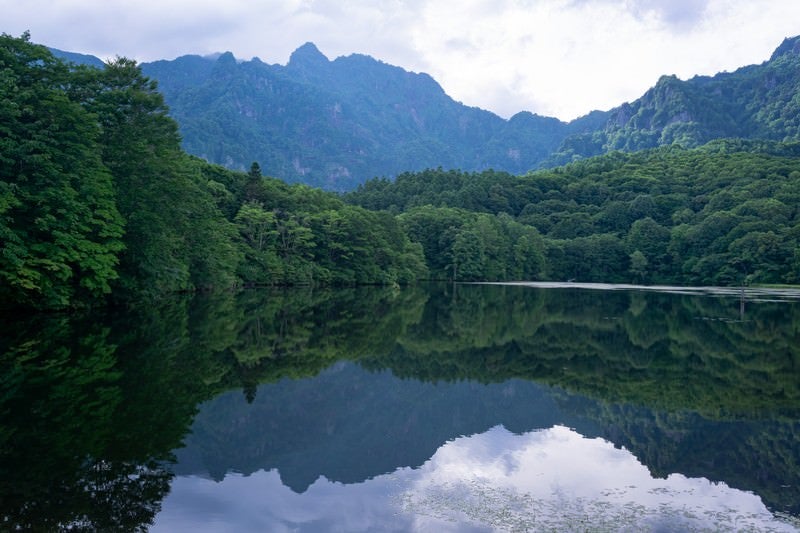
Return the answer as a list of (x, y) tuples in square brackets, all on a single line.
[(90, 406), (659, 350)]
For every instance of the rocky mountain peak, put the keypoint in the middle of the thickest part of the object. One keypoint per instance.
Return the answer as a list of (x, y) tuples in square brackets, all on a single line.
[(307, 55), (789, 46)]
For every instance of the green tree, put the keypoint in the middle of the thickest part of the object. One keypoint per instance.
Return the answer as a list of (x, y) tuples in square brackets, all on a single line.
[(468, 257), (59, 225), (638, 265), (176, 237)]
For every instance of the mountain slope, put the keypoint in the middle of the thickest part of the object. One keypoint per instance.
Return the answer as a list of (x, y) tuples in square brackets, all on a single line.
[(336, 124), (78, 59), (754, 102)]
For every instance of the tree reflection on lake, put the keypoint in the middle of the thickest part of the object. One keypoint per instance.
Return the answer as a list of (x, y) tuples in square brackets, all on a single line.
[(317, 397)]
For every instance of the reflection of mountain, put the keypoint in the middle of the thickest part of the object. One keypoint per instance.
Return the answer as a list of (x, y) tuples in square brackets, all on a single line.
[(86, 402), (756, 455), (546, 480), (349, 425)]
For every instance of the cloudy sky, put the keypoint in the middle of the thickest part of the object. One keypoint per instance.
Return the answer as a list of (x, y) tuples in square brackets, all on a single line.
[(559, 58)]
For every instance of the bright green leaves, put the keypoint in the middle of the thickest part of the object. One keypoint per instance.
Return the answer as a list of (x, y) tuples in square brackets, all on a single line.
[(60, 228), (86, 152), (176, 236), (464, 246), (298, 235)]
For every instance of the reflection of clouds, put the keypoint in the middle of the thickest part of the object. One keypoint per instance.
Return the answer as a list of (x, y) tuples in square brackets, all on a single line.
[(564, 481), (552, 479)]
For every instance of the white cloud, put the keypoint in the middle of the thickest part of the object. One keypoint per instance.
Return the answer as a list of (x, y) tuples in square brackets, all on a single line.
[(553, 57)]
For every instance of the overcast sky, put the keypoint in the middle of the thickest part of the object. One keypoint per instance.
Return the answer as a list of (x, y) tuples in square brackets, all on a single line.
[(559, 58)]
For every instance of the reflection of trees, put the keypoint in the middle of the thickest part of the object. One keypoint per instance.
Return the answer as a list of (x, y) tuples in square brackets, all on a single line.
[(726, 390), (91, 407), (63, 462), (660, 350)]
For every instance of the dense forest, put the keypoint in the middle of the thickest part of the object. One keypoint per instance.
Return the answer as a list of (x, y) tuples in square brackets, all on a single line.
[(97, 197), (725, 213), (99, 201)]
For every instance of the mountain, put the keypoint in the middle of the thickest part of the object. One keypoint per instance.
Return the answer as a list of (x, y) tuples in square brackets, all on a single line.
[(78, 59), (335, 124), (754, 102)]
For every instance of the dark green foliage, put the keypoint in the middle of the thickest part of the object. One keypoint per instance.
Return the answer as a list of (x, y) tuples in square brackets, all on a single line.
[(96, 193), (176, 239), (86, 153), (462, 245), (60, 228), (298, 235), (725, 213)]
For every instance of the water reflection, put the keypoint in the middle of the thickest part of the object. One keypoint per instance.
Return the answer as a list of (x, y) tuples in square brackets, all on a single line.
[(556, 479), (355, 385), (497, 455), (546, 480)]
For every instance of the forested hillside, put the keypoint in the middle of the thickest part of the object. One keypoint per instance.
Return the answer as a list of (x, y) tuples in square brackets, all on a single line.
[(97, 197), (335, 124), (726, 213)]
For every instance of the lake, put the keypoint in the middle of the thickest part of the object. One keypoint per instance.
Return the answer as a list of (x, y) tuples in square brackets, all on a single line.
[(519, 407)]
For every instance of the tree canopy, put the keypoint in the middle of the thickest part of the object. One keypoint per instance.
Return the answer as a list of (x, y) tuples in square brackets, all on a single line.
[(725, 213)]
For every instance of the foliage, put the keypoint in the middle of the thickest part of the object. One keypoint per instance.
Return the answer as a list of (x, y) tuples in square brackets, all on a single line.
[(466, 246), (725, 213), (176, 239), (97, 195), (59, 224)]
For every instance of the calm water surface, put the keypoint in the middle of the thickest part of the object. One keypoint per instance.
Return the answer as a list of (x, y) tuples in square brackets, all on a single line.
[(467, 408)]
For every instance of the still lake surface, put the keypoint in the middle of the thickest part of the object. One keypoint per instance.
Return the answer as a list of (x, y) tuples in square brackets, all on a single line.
[(526, 407)]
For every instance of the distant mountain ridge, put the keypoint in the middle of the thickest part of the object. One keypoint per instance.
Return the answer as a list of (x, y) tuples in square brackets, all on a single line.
[(335, 124)]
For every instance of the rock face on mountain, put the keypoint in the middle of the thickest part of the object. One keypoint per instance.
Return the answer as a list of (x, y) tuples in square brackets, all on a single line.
[(335, 124), (754, 102)]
